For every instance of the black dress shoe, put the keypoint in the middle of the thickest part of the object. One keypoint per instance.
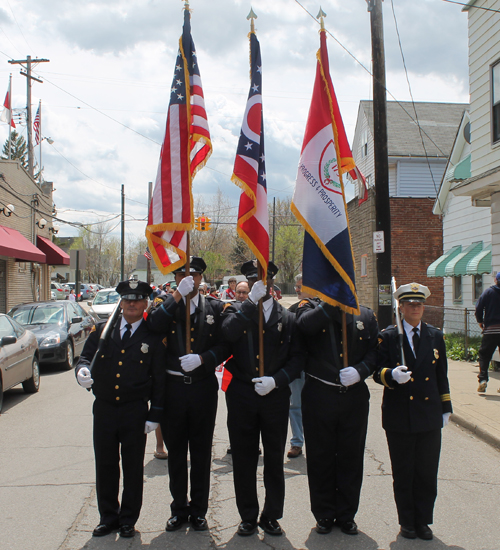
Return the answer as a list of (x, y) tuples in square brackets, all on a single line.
[(246, 528), (348, 527), (324, 526), (270, 526), (104, 529), (127, 531), (424, 532), (199, 523), (174, 523), (408, 532)]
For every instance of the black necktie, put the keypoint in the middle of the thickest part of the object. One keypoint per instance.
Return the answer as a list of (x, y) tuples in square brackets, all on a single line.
[(126, 334), (416, 340)]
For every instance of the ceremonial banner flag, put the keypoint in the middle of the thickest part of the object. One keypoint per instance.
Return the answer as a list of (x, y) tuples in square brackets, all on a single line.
[(249, 171), (186, 149), (6, 115), (36, 126), (318, 201)]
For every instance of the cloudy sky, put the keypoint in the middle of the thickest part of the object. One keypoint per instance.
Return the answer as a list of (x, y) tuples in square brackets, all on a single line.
[(106, 89)]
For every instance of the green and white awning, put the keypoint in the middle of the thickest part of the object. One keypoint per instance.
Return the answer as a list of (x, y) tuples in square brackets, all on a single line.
[(480, 263), (437, 267), (458, 265)]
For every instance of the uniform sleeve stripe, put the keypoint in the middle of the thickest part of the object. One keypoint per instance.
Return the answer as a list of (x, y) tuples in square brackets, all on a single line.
[(382, 377), (239, 312), (165, 310), (215, 357), (445, 397), (323, 310)]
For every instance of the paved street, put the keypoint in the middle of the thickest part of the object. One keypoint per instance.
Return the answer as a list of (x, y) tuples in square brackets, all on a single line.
[(47, 495)]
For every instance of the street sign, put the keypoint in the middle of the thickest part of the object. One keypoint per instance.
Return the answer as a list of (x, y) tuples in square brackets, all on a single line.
[(378, 242)]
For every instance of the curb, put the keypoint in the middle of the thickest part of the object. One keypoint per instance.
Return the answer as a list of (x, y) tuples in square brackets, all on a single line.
[(476, 430)]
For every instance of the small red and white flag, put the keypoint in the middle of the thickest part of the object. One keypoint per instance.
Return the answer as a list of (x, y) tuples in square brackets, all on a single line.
[(36, 126), (6, 115), (186, 149)]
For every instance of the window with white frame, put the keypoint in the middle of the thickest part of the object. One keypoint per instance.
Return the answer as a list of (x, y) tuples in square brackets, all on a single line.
[(364, 143), (477, 290), (495, 102), (364, 265), (457, 289)]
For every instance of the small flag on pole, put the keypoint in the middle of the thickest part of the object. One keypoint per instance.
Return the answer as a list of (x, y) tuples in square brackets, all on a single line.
[(186, 149), (6, 115), (319, 202), (148, 253), (249, 167), (36, 126)]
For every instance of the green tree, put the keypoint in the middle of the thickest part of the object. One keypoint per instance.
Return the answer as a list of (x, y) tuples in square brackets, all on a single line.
[(289, 250), (18, 149), (216, 265)]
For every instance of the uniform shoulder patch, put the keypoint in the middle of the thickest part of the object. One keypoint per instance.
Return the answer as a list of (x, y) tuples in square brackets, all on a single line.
[(303, 303), (157, 301), (226, 306), (380, 340), (93, 329), (164, 341)]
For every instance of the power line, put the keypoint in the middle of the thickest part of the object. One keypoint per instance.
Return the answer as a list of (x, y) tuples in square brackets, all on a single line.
[(472, 7)]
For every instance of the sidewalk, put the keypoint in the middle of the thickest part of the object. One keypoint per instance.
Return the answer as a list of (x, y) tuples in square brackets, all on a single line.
[(477, 412)]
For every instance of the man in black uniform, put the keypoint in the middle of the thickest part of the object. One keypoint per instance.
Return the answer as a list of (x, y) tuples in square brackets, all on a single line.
[(258, 406), (335, 404), (129, 372), (190, 392), (415, 406)]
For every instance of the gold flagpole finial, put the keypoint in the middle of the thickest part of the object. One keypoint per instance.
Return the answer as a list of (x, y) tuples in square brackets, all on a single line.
[(321, 15), (252, 16), (186, 4)]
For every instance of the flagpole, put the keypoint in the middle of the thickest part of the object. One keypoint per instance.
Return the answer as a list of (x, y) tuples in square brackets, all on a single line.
[(261, 323), (10, 116), (40, 138), (344, 340), (188, 298)]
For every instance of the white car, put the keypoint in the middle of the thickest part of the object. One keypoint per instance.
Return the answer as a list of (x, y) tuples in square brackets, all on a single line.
[(104, 303)]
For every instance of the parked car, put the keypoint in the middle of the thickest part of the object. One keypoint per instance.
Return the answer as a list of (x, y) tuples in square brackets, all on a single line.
[(18, 357), (60, 291), (104, 303), (53, 295), (86, 291), (60, 328)]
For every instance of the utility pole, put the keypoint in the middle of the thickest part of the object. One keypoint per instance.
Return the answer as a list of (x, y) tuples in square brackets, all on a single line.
[(123, 236), (382, 202), (28, 64)]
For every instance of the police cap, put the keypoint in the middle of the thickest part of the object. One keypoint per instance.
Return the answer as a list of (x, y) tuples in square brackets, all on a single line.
[(249, 269), (412, 292), (134, 290), (196, 265)]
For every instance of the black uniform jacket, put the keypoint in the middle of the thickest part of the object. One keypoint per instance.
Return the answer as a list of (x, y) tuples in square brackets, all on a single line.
[(130, 372), (321, 323), (418, 405), (284, 352), (169, 317)]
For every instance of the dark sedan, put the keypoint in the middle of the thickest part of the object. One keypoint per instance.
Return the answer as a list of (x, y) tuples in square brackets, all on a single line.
[(18, 357), (61, 329)]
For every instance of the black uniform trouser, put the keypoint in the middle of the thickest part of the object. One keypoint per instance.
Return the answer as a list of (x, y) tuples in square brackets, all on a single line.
[(188, 424), (335, 427), (415, 462), (119, 428), (249, 417), (489, 344)]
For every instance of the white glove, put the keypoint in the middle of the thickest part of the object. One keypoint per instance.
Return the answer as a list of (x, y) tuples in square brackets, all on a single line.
[(84, 378), (401, 374), (190, 362), (265, 384), (150, 426), (185, 286), (446, 419), (349, 376), (259, 290)]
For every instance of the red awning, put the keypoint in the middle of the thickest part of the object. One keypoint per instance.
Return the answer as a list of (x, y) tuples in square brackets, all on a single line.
[(14, 245), (55, 255)]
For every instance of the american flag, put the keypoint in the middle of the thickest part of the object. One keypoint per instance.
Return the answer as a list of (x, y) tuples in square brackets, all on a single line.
[(36, 126), (186, 149), (249, 171), (148, 253)]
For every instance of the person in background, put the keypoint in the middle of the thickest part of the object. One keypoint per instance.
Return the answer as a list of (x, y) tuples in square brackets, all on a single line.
[(72, 295), (415, 407), (229, 293), (241, 291), (295, 414), (488, 317), (129, 373), (160, 452)]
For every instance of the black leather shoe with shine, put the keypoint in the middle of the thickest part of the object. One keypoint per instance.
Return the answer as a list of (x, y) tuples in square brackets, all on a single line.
[(199, 523), (270, 526), (324, 526), (348, 527), (174, 523), (127, 531), (424, 532), (246, 528), (408, 532), (104, 529)]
